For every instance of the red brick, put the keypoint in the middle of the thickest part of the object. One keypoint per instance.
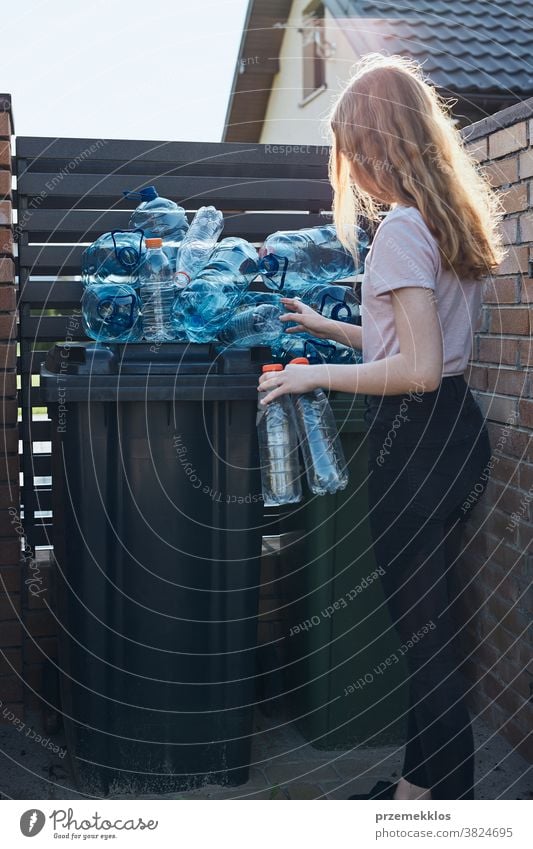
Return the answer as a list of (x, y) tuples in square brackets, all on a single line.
[(9, 550), (478, 149), (526, 163), (7, 298), (5, 154), (6, 213), (476, 377), (501, 290), (508, 140), (38, 578), (509, 320), (508, 381), (10, 634), (6, 240), (525, 352), (514, 199), (10, 438), (7, 709), (11, 578), (509, 231), (8, 411), (9, 606), (526, 293), (497, 350), (9, 467), (8, 355), (526, 477), (6, 128), (7, 270), (516, 261), (526, 413), (525, 536), (5, 182), (510, 441), (497, 408), (526, 227), (506, 471), (502, 172), (10, 661), (499, 525), (8, 384)]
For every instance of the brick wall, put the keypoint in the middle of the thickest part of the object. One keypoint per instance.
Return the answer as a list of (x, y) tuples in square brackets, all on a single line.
[(496, 567), (11, 691)]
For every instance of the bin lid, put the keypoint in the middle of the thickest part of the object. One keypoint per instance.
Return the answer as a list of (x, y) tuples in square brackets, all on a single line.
[(150, 371)]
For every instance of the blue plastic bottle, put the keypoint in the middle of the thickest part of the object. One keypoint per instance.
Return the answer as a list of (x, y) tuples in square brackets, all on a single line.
[(110, 313), (253, 325), (333, 301), (205, 305), (290, 345), (157, 292), (160, 218), (291, 260), (278, 449), (324, 460), (198, 244), (113, 258)]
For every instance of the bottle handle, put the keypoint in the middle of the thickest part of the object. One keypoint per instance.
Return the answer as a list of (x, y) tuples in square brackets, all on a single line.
[(126, 256)]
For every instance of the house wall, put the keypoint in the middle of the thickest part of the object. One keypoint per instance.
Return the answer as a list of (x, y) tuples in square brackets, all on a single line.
[(11, 690), (287, 120), (496, 567)]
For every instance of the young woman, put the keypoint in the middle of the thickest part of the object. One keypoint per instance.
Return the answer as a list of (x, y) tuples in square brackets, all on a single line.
[(394, 144)]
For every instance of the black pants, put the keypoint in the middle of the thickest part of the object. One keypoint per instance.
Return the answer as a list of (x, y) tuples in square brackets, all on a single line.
[(428, 463)]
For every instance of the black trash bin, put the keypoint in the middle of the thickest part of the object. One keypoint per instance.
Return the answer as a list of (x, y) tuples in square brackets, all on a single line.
[(157, 536)]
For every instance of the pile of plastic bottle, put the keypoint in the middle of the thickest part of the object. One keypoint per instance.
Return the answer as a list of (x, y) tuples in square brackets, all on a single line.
[(165, 280)]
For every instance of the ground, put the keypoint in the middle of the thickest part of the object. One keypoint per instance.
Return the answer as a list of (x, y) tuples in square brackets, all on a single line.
[(284, 766)]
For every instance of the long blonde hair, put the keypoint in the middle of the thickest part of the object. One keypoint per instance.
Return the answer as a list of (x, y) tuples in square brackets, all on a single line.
[(390, 125)]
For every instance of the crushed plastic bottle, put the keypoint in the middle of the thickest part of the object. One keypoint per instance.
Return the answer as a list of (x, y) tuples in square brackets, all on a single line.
[(160, 218), (111, 313), (336, 301), (253, 325), (198, 244), (278, 449), (322, 451), (290, 345), (291, 260), (207, 304), (114, 257), (157, 292)]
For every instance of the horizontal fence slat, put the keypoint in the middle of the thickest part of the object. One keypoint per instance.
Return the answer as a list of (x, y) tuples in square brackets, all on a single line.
[(51, 294), (50, 328), (60, 225), (235, 193), (42, 532), (108, 155)]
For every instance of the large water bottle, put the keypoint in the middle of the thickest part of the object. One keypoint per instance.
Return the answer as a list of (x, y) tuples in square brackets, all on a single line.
[(110, 313), (207, 304), (160, 218), (324, 460), (278, 449), (114, 257), (333, 301), (290, 260), (290, 345), (157, 291), (253, 325), (198, 244)]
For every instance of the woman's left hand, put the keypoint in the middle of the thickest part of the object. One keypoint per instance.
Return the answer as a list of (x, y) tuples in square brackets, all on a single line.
[(293, 379)]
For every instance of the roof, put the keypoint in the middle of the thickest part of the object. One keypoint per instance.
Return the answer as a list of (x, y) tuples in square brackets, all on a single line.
[(465, 45), (472, 48)]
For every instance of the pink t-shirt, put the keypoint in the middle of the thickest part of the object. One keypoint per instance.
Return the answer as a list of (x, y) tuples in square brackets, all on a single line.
[(405, 253)]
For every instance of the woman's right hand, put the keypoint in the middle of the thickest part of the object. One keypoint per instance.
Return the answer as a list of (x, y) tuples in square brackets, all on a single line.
[(308, 320)]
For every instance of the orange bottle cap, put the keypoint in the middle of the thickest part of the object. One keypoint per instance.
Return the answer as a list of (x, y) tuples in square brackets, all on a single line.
[(273, 367), (154, 243), (300, 361)]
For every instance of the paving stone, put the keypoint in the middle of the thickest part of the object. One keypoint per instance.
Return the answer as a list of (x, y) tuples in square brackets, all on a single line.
[(305, 791), (284, 773)]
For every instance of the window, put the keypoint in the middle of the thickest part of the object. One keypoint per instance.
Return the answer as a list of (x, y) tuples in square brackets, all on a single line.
[(314, 61)]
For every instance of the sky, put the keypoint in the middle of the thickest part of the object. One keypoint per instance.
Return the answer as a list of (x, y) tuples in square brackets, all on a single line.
[(138, 69)]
